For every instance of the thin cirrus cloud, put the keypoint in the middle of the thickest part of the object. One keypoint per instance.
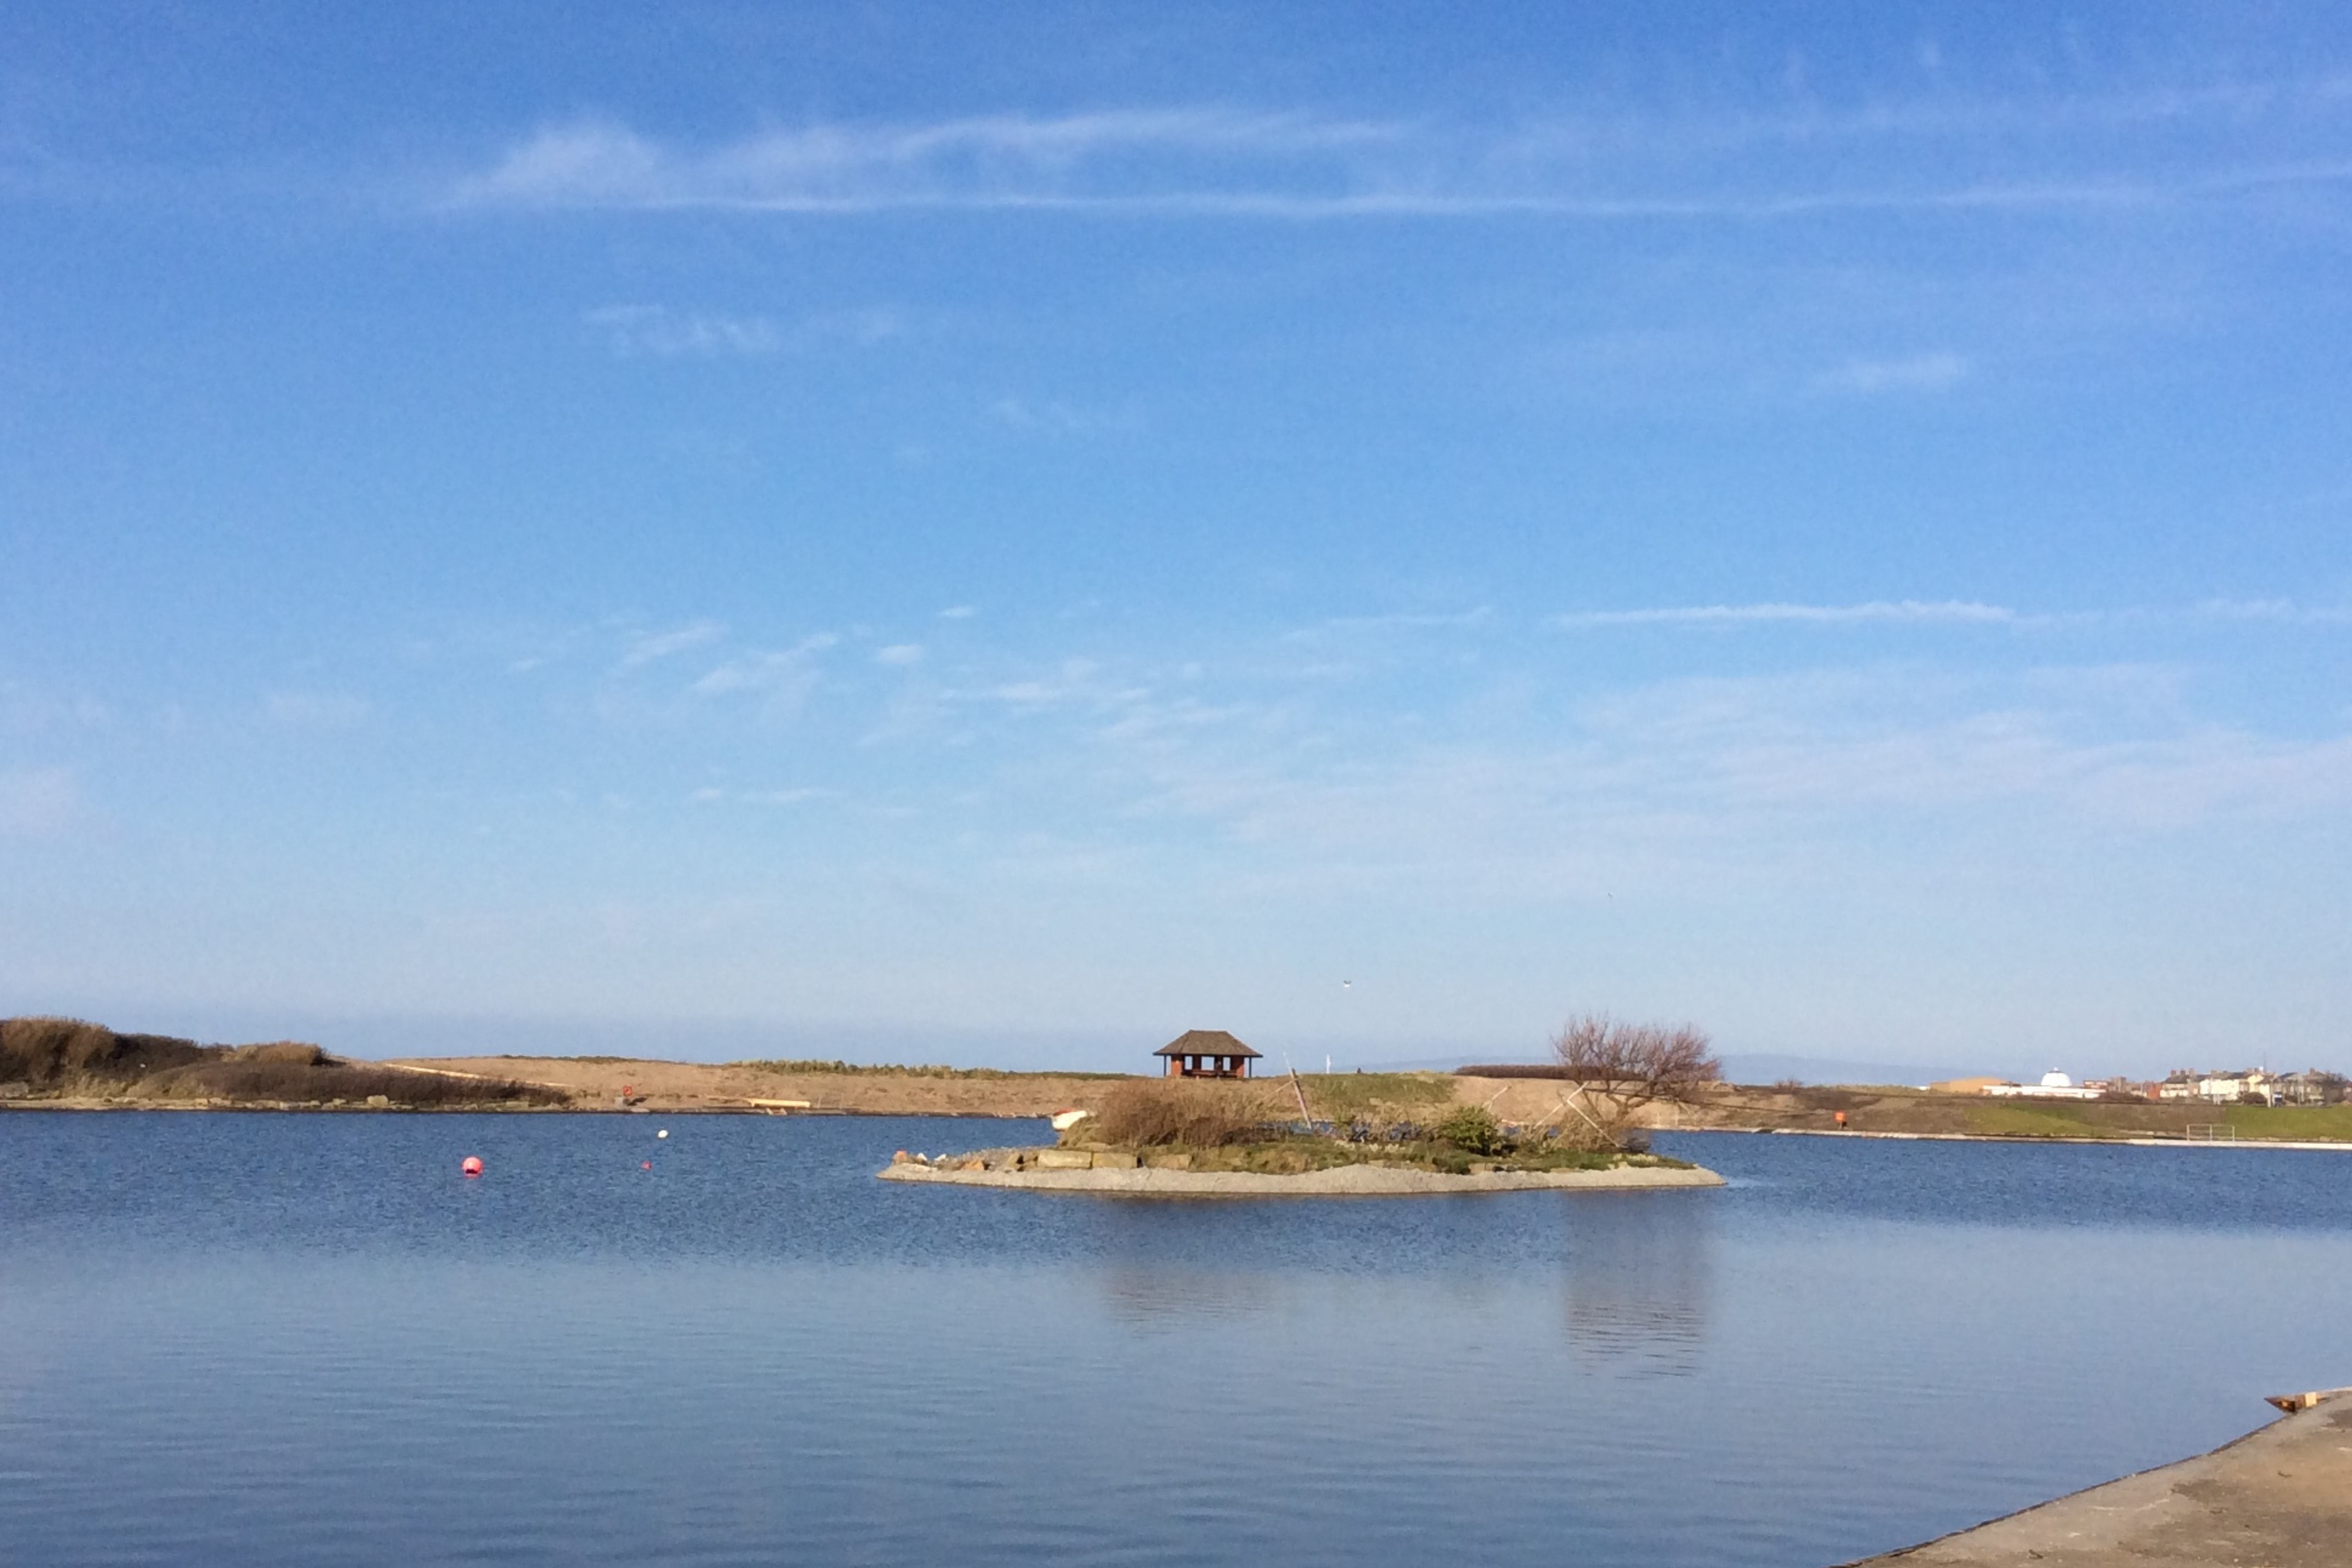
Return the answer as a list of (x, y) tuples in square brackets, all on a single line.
[(37, 802), (661, 333), (1220, 160), (1962, 612), (787, 675), (1915, 373), (651, 646), (980, 162), (316, 709), (711, 794), (657, 331)]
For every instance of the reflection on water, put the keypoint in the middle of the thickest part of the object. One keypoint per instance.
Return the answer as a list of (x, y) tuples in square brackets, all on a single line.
[(1143, 1296), (1640, 1268)]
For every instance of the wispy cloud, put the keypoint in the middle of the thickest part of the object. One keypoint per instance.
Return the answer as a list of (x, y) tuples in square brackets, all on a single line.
[(1054, 417), (1963, 611), (712, 794), (2282, 612), (1680, 785), (784, 678), (978, 161), (37, 802), (1213, 161), (1918, 372), (1914, 611), (658, 332), (2089, 742), (316, 709), (901, 654), (646, 647), (1402, 621), (23, 707)]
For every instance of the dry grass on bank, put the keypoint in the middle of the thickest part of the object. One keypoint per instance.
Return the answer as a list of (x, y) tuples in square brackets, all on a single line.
[(320, 1083), (787, 1065), (73, 1059), (45, 1054), (1380, 1098)]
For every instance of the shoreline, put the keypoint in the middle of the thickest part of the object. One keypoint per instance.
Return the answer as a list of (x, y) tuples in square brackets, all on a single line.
[(2281, 1495), (675, 1088), (2026, 1138), (743, 1105), (1337, 1181)]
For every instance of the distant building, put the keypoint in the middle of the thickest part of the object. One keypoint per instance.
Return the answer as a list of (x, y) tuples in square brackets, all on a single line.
[(2053, 1085), (1207, 1053), (1970, 1085), (2313, 1088), (2218, 1088)]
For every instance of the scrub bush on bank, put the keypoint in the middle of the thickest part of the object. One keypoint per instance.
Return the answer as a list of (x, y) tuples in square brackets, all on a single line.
[(71, 1057)]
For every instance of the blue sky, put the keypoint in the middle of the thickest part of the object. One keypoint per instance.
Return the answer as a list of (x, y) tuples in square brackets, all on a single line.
[(1006, 533)]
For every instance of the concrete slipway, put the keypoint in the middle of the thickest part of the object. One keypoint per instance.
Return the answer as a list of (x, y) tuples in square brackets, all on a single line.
[(2280, 1498)]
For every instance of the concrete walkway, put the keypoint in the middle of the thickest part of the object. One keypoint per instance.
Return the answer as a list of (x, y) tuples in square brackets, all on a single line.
[(2280, 1498)]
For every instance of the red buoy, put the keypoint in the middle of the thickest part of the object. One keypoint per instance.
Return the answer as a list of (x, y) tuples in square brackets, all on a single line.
[(472, 1165), (646, 1167)]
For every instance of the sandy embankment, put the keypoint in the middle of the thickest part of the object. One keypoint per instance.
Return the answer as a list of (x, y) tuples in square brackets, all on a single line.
[(679, 1086), (1343, 1181), (2281, 1497)]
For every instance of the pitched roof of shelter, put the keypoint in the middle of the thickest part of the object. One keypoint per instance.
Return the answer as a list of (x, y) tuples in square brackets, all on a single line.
[(1204, 1043)]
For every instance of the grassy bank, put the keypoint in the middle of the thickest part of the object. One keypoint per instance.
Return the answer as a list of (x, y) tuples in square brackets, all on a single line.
[(1898, 1109), (2092, 1118)]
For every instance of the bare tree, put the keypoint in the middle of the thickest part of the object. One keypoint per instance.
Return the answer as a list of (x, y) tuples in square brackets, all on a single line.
[(1619, 1067)]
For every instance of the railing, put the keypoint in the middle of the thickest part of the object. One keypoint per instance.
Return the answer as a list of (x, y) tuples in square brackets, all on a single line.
[(2209, 1133)]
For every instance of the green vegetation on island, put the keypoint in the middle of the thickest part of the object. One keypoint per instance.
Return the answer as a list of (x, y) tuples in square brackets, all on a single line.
[(1294, 1125)]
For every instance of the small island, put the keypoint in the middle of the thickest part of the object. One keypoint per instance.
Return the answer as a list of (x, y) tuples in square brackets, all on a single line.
[(1207, 1130), (1110, 1173)]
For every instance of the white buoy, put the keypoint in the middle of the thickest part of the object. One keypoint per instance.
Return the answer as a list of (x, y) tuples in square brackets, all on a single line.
[(662, 1133)]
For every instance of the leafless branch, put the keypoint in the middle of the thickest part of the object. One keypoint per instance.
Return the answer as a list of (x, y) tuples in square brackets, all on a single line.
[(1634, 1064)]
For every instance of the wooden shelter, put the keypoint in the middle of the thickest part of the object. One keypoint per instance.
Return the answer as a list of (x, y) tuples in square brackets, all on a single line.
[(1207, 1053)]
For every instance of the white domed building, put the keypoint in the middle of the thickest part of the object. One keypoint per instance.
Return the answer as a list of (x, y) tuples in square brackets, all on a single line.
[(2053, 1085)]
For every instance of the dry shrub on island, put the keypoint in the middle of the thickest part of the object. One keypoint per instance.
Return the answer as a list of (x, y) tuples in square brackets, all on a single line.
[(1162, 1113)]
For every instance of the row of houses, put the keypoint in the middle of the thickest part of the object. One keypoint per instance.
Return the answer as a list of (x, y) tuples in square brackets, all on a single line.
[(2254, 1086), (2251, 1084)]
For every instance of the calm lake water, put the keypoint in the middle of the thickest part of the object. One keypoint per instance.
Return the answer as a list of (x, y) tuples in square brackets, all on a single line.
[(283, 1339)]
